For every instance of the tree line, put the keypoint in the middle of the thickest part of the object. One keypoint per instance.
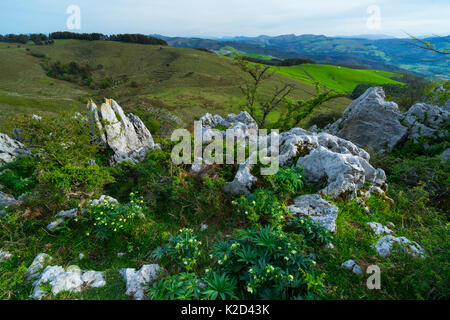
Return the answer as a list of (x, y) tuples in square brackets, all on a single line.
[(280, 63), (40, 39)]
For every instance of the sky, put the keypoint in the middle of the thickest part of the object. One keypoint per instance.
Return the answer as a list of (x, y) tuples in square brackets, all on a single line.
[(220, 18)]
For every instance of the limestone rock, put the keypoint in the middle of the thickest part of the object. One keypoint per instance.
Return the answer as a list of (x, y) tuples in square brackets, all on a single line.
[(388, 244), (73, 279), (126, 135), (10, 149), (426, 120), (37, 265), (320, 210), (6, 200), (370, 121), (378, 228), (138, 281), (352, 266)]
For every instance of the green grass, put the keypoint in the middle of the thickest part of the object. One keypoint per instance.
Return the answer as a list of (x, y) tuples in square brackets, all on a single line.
[(176, 82), (337, 78)]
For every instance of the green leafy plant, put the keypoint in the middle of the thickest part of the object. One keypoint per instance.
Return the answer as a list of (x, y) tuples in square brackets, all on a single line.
[(110, 218), (313, 233), (262, 207), (182, 250), (288, 181), (266, 263)]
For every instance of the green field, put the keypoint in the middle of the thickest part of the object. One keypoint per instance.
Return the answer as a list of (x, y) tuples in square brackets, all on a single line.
[(177, 84), (337, 78)]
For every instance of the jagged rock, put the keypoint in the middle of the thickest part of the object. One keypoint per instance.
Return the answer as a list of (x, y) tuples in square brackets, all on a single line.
[(5, 256), (10, 149), (426, 120), (62, 216), (370, 121), (126, 135), (352, 266), (386, 246), (445, 156), (73, 279), (37, 265), (345, 173), (324, 157), (378, 228), (320, 210), (138, 281)]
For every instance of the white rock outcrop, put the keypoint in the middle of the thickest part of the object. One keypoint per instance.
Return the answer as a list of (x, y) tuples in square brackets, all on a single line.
[(138, 281), (320, 210), (378, 228), (7, 200), (72, 279), (126, 135), (389, 244), (426, 120), (352, 266), (10, 149)]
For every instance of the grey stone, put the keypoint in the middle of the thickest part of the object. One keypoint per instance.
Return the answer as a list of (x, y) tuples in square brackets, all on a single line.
[(388, 244), (5, 256), (138, 281), (37, 265), (320, 210), (445, 156), (352, 266), (10, 149), (378, 228)]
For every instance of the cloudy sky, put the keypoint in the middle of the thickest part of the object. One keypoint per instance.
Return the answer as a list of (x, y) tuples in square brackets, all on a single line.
[(218, 18)]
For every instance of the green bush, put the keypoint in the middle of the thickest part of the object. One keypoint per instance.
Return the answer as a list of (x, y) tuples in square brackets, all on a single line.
[(182, 250), (262, 207), (267, 264), (288, 181), (313, 233), (17, 176), (110, 218)]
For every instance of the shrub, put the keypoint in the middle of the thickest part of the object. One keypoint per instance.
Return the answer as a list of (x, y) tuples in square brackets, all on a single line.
[(182, 250), (313, 233), (323, 119), (11, 280), (262, 207), (110, 218), (267, 264), (17, 176), (288, 181)]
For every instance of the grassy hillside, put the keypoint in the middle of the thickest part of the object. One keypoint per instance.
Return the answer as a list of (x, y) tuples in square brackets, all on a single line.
[(177, 84), (337, 78)]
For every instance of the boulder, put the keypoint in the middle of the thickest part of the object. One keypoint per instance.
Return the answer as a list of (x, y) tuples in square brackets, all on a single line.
[(7, 200), (126, 135), (320, 210), (378, 228), (390, 244), (352, 266), (73, 279), (370, 121), (138, 281), (10, 149), (426, 120)]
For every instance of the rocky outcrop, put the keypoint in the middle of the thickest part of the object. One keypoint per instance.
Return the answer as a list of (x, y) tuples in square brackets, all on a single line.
[(126, 135), (325, 158), (426, 120), (7, 200), (72, 279), (10, 149), (138, 281), (378, 228), (37, 265), (352, 266), (390, 244), (445, 156), (320, 210), (370, 121), (63, 216)]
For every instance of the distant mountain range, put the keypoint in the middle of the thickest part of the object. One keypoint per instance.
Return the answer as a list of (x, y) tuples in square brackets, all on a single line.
[(371, 51)]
